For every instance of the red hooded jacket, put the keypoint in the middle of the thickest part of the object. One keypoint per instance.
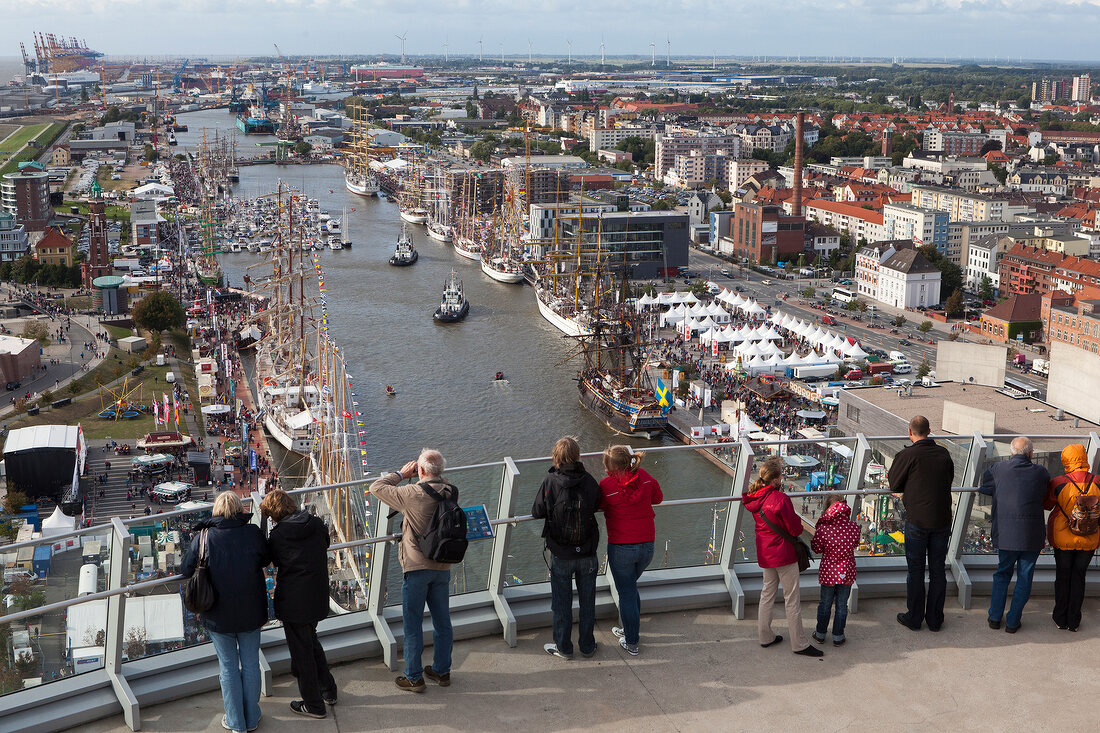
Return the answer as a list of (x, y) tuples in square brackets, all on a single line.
[(627, 502), (836, 537), (772, 551)]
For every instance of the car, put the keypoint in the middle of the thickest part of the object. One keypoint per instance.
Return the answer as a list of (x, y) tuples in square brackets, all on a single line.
[(887, 380), (765, 282), (903, 369), (847, 281), (725, 272), (905, 342), (853, 374), (738, 288), (12, 385), (828, 321)]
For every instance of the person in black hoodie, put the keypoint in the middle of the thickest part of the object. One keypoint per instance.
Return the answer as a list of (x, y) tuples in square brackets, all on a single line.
[(299, 552), (236, 557), (567, 501)]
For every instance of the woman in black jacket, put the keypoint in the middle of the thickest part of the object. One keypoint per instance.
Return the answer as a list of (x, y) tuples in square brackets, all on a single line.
[(236, 557), (299, 551)]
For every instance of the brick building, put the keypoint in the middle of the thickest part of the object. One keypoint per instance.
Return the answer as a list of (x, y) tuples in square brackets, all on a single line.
[(763, 233), (19, 358), (1026, 269), (54, 248), (1019, 314), (1071, 321), (26, 194)]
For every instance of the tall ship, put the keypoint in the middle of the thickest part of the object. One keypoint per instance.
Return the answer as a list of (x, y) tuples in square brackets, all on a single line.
[(614, 383), (412, 191), (358, 176), (499, 254), (469, 228), (567, 283)]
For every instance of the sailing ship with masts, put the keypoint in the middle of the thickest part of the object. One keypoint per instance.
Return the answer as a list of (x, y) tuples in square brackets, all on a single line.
[(498, 259), (358, 176), (613, 382), (412, 190), (439, 207)]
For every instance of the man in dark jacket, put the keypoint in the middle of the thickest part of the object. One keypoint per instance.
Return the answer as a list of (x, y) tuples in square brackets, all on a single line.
[(567, 501), (922, 473), (1018, 488), (299, 551)]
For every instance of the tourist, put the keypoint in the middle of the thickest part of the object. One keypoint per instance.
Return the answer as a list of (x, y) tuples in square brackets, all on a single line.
[(1069, 533), (774, 514), (566, 502), (237, 554), (1018, 488), (628, 495), (836, 538), (922, 474), (299, 551), (425, 581)]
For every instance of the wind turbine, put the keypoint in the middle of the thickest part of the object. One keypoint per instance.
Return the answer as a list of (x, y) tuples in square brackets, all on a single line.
[(714, 61), (603, 58), (668, 52), (502, 53), (480, 49), (652, 54), (446, 58), (529, 52), (570, 42), (402, 39)]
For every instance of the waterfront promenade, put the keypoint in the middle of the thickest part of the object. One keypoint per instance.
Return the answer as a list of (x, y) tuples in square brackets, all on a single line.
[(704, 670)]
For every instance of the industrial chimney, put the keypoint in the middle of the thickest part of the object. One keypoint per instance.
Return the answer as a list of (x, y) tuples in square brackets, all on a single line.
[(799, 120)]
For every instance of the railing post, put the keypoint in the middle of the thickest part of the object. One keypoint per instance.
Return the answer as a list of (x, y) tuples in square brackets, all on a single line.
[(1094, 451), (377, 591), (852, 484), (961, 520), (499, 561), (267, 679), (116, 624), (741, 476)]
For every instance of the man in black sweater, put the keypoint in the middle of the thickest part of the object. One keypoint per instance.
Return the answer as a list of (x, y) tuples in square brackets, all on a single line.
[(922, 474)]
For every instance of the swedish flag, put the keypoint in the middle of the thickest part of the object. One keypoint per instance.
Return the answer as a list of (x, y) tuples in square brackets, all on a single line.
[(663, 396)]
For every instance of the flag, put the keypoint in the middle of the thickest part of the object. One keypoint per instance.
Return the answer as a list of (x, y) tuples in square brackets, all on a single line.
[(176, 408), (830, 474), (167, 412), (347, 414), (663, 396)]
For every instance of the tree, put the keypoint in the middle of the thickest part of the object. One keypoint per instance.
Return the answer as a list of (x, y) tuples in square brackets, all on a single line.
[(852, 305), (953, 306), (159, 311), (990, 145), (899, 321), (951, 278), (807, 292), (134, 645), (471, 111), (150, 153), (985, 288), (302, 148), (14, 501), (84, 94), (1024, 101), (924, 369), (37, 331), (925, 326)]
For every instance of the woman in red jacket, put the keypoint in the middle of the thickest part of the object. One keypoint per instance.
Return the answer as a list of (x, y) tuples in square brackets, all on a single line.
[(628, 496), (776, 556)]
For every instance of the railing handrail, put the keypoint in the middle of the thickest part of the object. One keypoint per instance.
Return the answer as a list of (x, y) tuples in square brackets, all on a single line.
[(62, 605)]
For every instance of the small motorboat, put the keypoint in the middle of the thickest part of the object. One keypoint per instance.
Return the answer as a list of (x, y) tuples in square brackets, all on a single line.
[(390, 391), (405, 254), (499, 377), (454, 306)]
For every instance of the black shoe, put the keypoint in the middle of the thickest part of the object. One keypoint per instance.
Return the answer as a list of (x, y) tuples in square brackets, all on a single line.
[(1012, 629), (773, 642), (993, 624), (1073, 629), (589, 654), (443, 680), (329, 697), (299, 707), (1061, 627), (904, 621), (811, 651), (934, 628)]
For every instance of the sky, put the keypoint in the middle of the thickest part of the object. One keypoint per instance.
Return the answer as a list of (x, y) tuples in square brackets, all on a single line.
[(1033, 29)]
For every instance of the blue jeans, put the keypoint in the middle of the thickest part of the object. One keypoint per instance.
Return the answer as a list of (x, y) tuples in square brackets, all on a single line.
[(562, 572), (830, 595), (627, 563), (1024, 563), (239, 674), (919, 545), (431, 587)]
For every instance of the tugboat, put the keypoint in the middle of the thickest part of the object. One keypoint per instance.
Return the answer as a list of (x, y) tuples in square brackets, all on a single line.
[(454, 306), (405, 254)]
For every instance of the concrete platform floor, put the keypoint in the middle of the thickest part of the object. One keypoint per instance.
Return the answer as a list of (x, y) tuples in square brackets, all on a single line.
[(704, 670)]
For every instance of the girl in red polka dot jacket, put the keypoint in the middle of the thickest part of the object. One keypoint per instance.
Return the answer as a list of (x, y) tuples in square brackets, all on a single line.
[(836, 537)]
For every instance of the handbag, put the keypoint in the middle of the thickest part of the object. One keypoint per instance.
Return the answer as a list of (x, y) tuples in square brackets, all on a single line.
[(198, 592), (801, 549)]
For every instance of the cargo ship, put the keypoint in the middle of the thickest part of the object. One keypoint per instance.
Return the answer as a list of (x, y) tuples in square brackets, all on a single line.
[(254, 121)]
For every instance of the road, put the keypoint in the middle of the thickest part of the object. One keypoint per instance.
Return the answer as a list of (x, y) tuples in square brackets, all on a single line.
[(709, 268)]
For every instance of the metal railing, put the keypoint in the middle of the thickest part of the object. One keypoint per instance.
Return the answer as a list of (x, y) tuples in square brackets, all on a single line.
[(498, 599)]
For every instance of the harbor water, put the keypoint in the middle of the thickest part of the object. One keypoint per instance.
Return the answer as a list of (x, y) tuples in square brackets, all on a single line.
[(443, 374)]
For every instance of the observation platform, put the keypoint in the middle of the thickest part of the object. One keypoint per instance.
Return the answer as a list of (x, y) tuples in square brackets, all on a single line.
[(704, 670)]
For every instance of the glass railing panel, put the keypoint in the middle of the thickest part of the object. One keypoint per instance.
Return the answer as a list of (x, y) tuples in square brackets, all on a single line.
[(476, 486), (883, 453), (349, 515), (1046, 452), (44, 648)]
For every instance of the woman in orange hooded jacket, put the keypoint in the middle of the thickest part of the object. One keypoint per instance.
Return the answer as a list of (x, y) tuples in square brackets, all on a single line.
[(1072, 551)]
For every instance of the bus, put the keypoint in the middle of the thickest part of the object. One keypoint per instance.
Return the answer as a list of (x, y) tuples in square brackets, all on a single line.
[(1020, 386), (844, 295)]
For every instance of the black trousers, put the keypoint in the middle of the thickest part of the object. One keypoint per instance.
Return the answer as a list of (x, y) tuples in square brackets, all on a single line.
[(1070, 567), (308, 663)]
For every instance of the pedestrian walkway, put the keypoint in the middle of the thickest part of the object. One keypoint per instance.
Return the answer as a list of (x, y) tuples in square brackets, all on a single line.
[(705, 670)]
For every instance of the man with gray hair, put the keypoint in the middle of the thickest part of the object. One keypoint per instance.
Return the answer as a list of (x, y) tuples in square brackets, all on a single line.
[(425, 580), (1018, 488)]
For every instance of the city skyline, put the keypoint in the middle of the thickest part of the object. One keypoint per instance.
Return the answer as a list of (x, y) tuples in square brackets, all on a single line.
[(952, 29)]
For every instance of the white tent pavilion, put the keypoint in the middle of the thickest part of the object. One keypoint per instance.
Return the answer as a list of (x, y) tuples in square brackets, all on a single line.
[(754, 309), (57, 523), (771, 334), (854, 351)]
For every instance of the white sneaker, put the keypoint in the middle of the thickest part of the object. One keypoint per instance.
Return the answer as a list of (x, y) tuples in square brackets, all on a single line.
[(552, 650), (631, 649), (226, 726), (618, 632)]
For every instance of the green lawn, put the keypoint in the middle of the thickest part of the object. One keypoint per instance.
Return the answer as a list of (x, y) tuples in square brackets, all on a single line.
[(19, 139), (113, 211), (46, 137)]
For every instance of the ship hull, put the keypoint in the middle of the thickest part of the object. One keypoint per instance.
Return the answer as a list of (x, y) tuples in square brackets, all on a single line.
[(499, 275), (368, 188), (467, 253), (439, 235), (566, 325), (302, 446), (620, 416), (452, 317), (414, 217), (401, 262)]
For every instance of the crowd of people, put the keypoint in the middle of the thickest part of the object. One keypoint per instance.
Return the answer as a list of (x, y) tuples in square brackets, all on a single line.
[(567, 502)]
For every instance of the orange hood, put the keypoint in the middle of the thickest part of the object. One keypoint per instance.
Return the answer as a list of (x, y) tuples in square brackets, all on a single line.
[(1074, 458)]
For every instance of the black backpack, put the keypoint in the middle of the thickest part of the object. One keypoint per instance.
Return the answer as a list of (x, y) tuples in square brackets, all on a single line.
[(445, 538), (570, 525)]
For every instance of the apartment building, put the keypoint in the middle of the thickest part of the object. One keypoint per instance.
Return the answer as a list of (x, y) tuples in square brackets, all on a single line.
[(740, 170), (1070, 320), (605, 138), (762, 233), (922, 226), (13, 238), (54, 248), (855, 221), (959, 205), (897, 274), (984, 260), (668, 146)]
